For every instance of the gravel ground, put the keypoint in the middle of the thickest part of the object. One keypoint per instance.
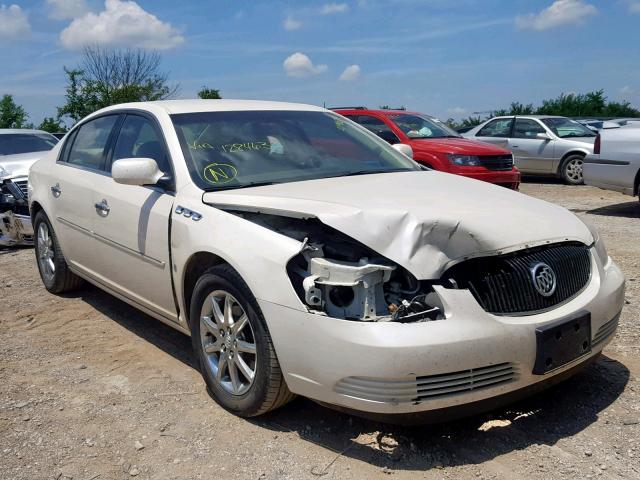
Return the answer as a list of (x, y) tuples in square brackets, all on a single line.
[(92, 389)]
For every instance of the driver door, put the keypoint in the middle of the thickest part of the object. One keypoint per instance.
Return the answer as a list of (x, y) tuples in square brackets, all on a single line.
[(531, 154), (132, 223)]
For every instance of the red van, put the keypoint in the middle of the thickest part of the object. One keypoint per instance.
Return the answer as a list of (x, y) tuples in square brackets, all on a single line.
[(437, 146)]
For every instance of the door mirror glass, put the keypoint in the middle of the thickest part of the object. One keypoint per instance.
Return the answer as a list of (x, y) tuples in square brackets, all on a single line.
[(404, 148), (136, 171), (543, 136)]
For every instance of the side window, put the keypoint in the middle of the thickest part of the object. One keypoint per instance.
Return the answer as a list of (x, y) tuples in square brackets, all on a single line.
[(89, 145), (500, 127), (527, 128), (378, 127), (139, 139)]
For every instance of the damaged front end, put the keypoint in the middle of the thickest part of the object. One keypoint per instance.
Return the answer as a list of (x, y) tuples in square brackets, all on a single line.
[(15, 222), (337, 276)]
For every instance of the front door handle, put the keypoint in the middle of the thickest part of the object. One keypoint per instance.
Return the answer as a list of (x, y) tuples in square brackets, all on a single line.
[(56, 190), (102, 208)]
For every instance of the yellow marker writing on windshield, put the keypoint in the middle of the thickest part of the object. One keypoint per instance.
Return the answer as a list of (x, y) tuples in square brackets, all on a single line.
[(217, 173)]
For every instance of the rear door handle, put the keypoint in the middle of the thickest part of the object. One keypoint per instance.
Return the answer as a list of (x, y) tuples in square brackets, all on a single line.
[(56, 190), (102, 208)]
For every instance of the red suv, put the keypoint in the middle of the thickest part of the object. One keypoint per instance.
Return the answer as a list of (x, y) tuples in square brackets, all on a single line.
[(437, 146)]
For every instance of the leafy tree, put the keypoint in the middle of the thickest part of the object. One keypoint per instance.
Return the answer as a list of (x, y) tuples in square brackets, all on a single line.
[(52, 125), (108, 77), (470, 121), (209, 93), (11, 114)]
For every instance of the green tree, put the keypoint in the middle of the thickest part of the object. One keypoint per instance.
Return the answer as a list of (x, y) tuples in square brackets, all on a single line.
[(108, 77), (11, 114), (209, 93), (52, 125)]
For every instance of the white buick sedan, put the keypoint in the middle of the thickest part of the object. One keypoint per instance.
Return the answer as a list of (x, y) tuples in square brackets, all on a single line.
[(304, 255)]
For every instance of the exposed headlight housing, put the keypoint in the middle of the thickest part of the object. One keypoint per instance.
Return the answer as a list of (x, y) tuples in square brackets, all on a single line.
[(464, 160)]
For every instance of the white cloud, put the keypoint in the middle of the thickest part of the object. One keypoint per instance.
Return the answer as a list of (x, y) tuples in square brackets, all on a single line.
[(558, 14), (459, 111), (351, 73), (291, 23), (299, 65), (121, 23), (634, 6), (13, 22), (331, 8), (627, 92), (63, 9)]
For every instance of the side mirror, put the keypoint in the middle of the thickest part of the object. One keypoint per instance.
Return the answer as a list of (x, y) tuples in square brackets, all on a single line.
[(404, 149), (136, 171), (543, 136)]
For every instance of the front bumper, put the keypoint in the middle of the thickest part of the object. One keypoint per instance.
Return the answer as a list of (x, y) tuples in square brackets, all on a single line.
[(394, 368), (509, 179), (15, 229)]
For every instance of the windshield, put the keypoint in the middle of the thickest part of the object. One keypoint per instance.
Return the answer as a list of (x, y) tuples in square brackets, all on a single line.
[(13, 143), (239, 149), (417, 126), (566, 128)]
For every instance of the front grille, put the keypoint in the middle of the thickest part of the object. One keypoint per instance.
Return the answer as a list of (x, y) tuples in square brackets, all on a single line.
[(503, 284), (497, 162), (426, 387), (23, 185)]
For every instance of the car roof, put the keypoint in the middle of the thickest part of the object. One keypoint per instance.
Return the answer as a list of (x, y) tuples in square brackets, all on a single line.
[(538, 117), (223, 105), (4, 131)]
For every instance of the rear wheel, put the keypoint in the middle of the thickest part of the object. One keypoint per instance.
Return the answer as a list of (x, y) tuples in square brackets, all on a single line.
[(233, 346), (53, 268), (571, 169)]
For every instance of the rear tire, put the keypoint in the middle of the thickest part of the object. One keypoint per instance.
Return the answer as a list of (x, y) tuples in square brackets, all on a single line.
[(571, 169), (233, 346), (53, 268)]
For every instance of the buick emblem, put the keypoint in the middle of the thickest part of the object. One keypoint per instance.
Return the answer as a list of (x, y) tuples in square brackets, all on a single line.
[(544, 279)]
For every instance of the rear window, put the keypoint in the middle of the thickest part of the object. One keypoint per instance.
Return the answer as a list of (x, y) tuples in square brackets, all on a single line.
[(14, 143)]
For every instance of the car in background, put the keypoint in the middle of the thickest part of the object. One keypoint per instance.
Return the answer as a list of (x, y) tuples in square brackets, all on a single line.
[(59, 135), (437, 146), (597, 125), (615, 162), (19, 149), (541, 144)]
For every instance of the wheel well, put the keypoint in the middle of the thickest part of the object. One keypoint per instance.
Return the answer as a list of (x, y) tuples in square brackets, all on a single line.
[(198, 264), (567, 155), (35, 208)]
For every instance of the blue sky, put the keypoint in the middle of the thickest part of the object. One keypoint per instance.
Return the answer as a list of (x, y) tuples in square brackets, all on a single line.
[(446, 58)]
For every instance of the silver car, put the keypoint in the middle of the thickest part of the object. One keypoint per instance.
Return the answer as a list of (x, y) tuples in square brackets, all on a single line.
[(541, 145)]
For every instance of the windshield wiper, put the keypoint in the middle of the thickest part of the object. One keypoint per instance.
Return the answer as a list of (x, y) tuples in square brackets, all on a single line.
[(244, 185)]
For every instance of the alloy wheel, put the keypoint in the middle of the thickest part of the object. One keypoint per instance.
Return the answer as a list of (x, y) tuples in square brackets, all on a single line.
[(46, 252), (228, 342), (573, 170)]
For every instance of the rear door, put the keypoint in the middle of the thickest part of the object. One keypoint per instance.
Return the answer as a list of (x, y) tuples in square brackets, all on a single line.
[(496, 132), (132, 226), (530, 153), (80, 166)]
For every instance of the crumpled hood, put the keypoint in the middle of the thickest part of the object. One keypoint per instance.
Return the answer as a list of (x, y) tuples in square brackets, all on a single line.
[(423, 221), (20, 164), (462, 146)]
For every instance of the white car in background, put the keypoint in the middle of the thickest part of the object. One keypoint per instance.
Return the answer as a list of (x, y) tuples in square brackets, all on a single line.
[(305, 255), (541, 144), (615, 162), (19, 149)]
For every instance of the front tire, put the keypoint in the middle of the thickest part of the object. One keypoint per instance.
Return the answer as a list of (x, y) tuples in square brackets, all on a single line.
[(233, 346), (53, 268), (571, 170)]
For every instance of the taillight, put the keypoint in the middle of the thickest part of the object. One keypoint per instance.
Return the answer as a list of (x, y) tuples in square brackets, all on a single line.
[(596, 145)]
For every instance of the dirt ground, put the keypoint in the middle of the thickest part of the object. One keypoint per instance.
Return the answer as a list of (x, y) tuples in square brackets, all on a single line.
[(92, 389)]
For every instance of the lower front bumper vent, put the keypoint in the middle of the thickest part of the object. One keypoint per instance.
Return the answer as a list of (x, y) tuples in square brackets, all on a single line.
[(426, 387), (605, 331)]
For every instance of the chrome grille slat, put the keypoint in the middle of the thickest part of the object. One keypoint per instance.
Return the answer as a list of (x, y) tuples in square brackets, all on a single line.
[(502, 284), (426, 387)]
